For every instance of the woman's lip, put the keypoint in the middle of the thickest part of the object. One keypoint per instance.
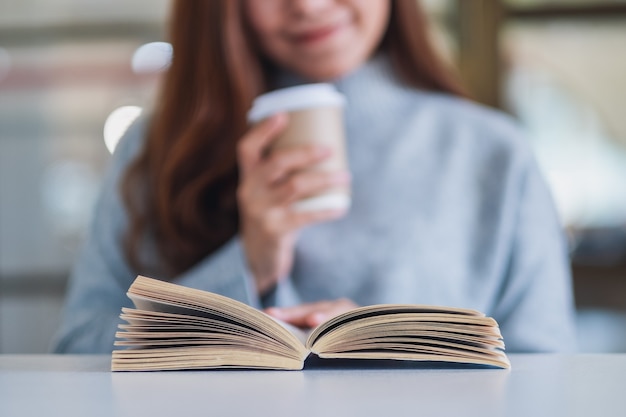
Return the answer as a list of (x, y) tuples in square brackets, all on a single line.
[(315, 35)]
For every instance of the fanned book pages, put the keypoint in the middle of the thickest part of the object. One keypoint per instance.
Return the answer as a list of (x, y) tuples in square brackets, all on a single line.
[(175, 327)]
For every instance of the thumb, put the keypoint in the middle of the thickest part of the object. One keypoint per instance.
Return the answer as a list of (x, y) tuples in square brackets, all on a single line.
[(253, 144)]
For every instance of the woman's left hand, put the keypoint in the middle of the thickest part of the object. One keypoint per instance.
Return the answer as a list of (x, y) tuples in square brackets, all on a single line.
[(311, 314)]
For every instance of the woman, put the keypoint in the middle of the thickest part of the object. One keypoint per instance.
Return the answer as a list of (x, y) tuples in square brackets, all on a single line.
[(448, 205)]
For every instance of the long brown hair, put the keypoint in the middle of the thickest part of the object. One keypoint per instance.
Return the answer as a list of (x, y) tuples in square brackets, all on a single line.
[(181, 189)]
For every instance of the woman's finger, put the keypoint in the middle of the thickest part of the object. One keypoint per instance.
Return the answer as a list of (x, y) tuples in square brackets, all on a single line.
[(308, 183), (284, 162), (295, 315), (311, 314), (299, 219), (253, 145), (337, 307)]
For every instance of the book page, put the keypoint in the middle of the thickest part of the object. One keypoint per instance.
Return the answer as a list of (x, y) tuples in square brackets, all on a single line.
[(386, 309), (163, 297), (405, 332), (301, 334)]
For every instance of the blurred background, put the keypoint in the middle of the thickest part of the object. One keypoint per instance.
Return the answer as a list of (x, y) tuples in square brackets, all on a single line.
[(75, 73)]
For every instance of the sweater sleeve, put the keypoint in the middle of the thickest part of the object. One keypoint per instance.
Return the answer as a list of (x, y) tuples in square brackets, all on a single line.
[(101, 275), (536, 308)]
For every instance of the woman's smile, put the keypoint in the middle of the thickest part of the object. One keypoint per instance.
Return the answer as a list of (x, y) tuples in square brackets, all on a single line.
[(320, 40)]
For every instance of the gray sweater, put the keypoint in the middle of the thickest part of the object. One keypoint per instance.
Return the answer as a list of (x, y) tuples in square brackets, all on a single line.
[(449, 208)]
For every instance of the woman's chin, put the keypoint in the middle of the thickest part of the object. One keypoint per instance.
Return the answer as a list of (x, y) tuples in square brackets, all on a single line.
[(327, 72)]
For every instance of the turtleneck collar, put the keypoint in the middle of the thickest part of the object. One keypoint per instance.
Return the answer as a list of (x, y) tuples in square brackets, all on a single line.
[(379, 64), (372, 87)]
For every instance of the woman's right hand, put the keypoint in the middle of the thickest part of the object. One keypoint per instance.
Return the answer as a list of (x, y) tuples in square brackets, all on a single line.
[(269, 184)]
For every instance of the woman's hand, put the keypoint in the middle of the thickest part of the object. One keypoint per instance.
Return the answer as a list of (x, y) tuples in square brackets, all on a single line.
[(269, 185), (312, 314)]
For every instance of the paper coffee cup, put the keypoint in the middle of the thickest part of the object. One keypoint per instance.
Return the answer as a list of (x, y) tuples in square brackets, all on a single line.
[(315, 117)]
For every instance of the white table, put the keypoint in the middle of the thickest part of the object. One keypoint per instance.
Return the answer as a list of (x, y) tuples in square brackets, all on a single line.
[(537, 385)]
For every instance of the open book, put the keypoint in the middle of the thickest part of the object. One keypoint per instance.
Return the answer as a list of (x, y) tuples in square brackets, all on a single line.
[(175, 327)]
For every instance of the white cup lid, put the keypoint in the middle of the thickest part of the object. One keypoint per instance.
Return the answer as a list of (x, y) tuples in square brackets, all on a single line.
[(295, 98)]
